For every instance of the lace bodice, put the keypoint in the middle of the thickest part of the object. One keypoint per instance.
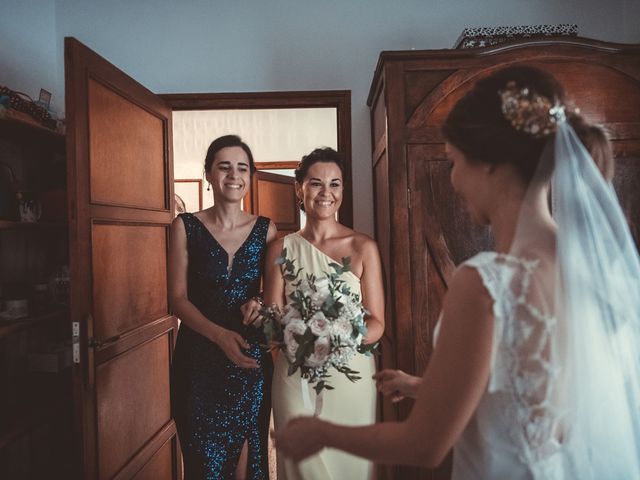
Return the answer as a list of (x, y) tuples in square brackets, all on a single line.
[(517, 429)]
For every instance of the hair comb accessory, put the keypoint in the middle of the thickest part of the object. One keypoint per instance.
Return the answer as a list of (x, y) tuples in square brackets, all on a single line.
[(530, 112)]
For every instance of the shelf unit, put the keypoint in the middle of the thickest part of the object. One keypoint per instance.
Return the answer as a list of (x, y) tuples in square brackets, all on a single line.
[(35, 412), (28, 418), (9, 327), (21, 129), (11, 225)]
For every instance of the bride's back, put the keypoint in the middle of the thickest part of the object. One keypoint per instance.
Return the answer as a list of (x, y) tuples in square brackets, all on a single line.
[(518, 427), (562, 396)]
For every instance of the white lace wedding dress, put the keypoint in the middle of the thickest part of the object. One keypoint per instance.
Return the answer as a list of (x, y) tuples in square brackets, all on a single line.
[(517, 430), (563, 397), (525, 426)]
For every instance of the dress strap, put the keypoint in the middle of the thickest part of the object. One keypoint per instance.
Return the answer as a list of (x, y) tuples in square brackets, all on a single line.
[(485, 264), (496, 271), (186, 216), (262, 227), (189, 221)]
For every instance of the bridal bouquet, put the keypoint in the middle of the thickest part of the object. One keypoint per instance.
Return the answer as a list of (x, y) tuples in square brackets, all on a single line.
[(322, 325)]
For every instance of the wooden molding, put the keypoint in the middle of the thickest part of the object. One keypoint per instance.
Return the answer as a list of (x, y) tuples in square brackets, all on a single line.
[(284, 165)]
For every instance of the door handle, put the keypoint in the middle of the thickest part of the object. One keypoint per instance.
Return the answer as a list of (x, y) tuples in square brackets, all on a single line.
[(75, 341), (77, 355)]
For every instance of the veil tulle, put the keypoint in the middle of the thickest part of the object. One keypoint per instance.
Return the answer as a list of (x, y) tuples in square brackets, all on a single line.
[(581, 383)]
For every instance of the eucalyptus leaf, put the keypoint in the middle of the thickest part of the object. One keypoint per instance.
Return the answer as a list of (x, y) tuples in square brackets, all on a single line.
[(282, 258)]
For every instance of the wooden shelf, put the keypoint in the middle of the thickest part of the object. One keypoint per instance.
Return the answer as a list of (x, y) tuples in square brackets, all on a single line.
[(35, 413), (24, 422), (21, 129), (12, 225), (14, 326)]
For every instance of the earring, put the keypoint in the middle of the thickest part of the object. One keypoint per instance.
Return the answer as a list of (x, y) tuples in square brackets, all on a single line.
[(208, 187), (301, 205)]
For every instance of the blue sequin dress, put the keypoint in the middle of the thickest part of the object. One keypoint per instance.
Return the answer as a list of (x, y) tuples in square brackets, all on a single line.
[(216, 404)]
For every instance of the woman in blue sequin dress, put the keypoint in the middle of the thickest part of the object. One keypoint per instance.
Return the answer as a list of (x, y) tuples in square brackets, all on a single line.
[(220, 381)]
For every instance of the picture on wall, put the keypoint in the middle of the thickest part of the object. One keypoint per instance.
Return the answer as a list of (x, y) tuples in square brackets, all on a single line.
[(190, 192)]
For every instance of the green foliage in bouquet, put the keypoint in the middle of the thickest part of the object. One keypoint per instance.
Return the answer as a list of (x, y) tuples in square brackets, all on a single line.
[(322, 325)]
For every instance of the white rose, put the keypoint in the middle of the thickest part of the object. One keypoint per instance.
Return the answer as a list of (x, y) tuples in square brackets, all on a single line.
[(317, 299), (321, 287), (321, 349), (305, 288), (350, 310), (291, 314), (294, 327), (319, 324), (322, 284), (342, 328)]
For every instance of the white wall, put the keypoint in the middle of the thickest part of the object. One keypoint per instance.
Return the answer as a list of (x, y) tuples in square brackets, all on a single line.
[(273, 135), (261, 45)]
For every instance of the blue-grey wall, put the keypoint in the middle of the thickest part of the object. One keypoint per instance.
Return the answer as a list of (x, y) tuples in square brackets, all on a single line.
[(261, 45), (28, 52)]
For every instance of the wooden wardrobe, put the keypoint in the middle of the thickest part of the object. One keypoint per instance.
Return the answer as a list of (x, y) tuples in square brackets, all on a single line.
[(421, 225)]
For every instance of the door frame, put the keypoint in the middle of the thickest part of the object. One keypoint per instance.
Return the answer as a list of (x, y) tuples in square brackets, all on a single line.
[(338, 99)]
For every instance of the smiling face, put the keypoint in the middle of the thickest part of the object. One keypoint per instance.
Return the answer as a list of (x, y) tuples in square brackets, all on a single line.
[(230, 174), (321, 190)]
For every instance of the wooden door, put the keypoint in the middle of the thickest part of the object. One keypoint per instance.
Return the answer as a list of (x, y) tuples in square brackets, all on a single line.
[(439, 239), (274, 196), (120, 191)]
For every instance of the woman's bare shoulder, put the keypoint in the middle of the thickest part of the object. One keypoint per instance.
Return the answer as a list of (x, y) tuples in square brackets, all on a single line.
[(362, 241), (467, 290), (177, 223), (276, 245)]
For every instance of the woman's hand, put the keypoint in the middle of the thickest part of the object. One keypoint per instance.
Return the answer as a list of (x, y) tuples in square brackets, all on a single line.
[(300, 438), (232, 344), (397, 384), (251, 311)]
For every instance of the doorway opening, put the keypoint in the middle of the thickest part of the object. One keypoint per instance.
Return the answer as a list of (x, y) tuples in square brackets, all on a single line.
[(279, 127)]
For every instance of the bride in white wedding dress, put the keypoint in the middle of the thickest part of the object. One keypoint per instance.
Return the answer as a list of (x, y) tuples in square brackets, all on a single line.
[(536, 370)]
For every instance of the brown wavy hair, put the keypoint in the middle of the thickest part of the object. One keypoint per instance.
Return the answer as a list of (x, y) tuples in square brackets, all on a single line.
[(478, 128)]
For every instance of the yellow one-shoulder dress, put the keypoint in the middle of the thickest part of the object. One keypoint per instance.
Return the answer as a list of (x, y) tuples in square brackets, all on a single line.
[(349, 404)]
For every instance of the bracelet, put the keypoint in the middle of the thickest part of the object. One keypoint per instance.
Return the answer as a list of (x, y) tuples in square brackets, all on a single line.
[(258, 299)]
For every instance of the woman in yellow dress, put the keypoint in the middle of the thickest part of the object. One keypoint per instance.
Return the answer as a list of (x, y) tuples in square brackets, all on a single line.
[(322, 241)]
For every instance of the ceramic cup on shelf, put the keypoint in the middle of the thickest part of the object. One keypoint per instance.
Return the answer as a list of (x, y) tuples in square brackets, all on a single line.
[(15, 309), (30, 210)]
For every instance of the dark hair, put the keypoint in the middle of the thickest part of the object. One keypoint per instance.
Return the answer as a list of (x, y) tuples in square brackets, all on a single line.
[(224, 142), (477, 127), (323, 154), (595, 139)]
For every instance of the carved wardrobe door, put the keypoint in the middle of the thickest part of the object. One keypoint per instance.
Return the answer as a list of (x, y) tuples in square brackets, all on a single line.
[(121, 189), (421, 225)]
